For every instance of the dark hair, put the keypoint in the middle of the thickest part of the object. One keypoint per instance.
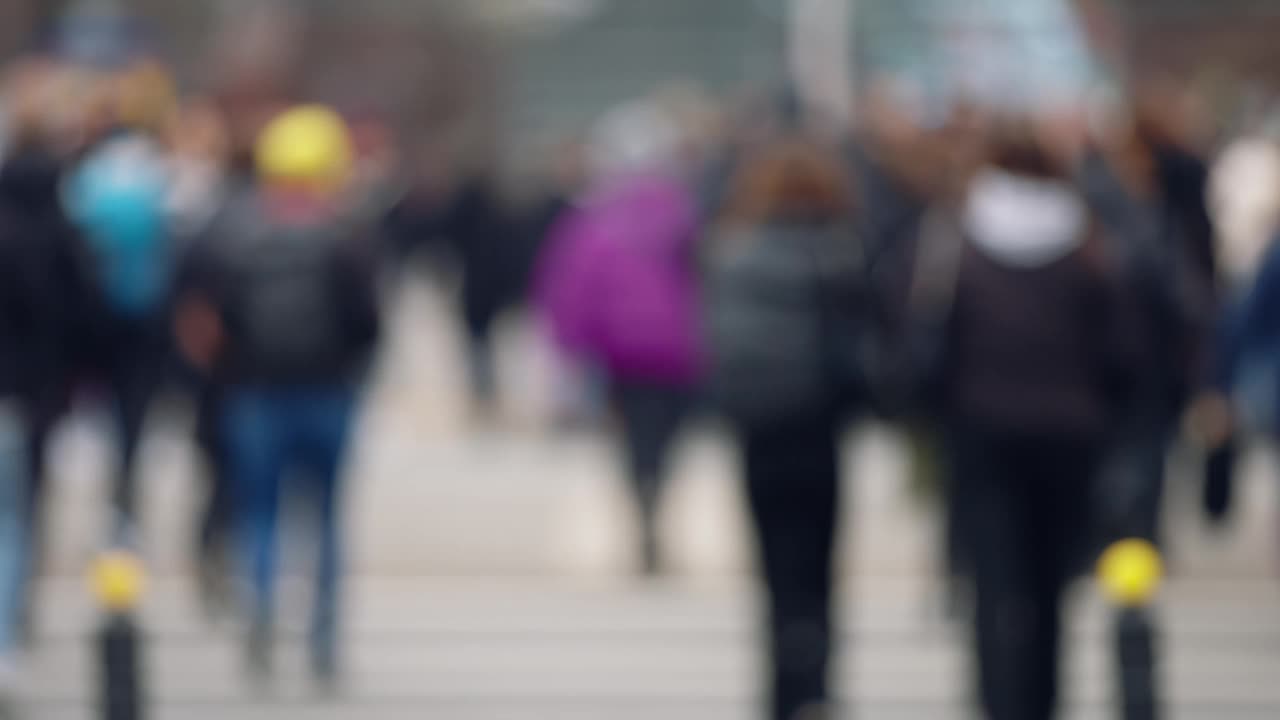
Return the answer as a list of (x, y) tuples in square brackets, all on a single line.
[(1013, 145), (791, 177)]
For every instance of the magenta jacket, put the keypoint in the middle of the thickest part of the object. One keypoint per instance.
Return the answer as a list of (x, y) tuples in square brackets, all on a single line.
[(617, 286)]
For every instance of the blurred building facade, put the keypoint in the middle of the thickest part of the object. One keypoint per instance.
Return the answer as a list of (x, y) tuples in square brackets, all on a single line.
[(488, 76)]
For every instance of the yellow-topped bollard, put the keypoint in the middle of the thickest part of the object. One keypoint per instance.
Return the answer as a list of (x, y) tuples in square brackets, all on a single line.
[(1130, 573), (118, 580)]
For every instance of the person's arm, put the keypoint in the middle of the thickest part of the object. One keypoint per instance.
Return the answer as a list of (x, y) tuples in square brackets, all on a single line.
[(1257, 327), (1113, 310), (1250, 328), (1191, 194), (198, 329), (357, 282), (82, 299)]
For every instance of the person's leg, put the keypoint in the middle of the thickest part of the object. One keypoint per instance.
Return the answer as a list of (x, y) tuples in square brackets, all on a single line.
[(44, 409), (256, 454), (13, 552), (579, 393), (135, 379), (482, 371), (214, 528), (1219, 481), (958, 512), (792, 476), (1151, 463), (1005, 568), (651, 417), (1065, 469), (326, 418)]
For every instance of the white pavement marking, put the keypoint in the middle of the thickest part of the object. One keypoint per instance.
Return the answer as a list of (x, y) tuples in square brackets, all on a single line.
[(491, 576)]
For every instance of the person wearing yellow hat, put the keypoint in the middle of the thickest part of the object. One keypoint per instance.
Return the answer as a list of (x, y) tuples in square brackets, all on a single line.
[(279, 302)]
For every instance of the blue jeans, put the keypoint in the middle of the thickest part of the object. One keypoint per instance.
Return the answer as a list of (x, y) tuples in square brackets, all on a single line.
[(13, 530), (272, 432)]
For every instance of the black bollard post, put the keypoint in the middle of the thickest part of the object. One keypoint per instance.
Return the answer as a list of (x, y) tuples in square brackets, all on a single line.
[(118, 584), (121, 669), (1136, 652)]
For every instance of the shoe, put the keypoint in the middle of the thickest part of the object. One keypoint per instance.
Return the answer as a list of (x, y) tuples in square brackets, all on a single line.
[(214, 587), (325, 669), (259, 654), (820, 711), (651, 563)]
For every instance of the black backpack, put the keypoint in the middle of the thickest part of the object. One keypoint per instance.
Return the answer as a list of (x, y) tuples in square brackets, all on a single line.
[(289, 295)]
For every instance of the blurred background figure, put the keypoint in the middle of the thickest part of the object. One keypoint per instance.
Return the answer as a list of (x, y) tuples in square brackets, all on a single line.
[(202, 184), (618, 286), (577, 396), (283, 306), (1244, 196), (785, 302), (879, 239), (476, 224), (118, 196), (1240, 408), (200, 152), (1244, 406), (53, 303), (45, 295), (1033, 359), (1149, 190)]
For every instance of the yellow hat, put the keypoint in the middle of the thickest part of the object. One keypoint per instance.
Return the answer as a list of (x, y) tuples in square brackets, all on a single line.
[(307, 145), (1130, 572)]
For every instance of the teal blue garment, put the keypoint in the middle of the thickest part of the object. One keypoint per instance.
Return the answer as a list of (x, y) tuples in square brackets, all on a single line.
[(1005, 55), (118, 198)]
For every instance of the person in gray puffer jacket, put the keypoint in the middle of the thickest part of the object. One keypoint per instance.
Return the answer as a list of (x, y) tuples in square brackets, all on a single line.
[(782, 304)]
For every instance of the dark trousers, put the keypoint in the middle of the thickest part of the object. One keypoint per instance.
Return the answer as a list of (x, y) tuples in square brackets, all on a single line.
[(1153, 452), (214, 527), (480, 315), (792, 474), (45, 408), (135, 365), (1135, 472), (1028, 500), (651, 415), (1219, 480)]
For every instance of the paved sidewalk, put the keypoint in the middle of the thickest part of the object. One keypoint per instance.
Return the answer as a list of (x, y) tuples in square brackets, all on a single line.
[(492, 576)]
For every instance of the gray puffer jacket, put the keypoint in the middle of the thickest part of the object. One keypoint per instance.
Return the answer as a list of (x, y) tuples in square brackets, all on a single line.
[(785, 311)]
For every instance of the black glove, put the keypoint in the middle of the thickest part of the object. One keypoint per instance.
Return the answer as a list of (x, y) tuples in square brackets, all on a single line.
[(1219, 477)]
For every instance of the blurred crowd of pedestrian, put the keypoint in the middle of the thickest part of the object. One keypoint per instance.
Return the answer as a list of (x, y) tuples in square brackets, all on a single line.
[(1039, 299)]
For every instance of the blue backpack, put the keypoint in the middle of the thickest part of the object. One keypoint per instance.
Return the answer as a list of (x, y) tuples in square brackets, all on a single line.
[(118, 198)]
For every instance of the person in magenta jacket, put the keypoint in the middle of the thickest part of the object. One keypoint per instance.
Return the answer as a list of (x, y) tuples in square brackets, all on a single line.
[(617, 287)]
